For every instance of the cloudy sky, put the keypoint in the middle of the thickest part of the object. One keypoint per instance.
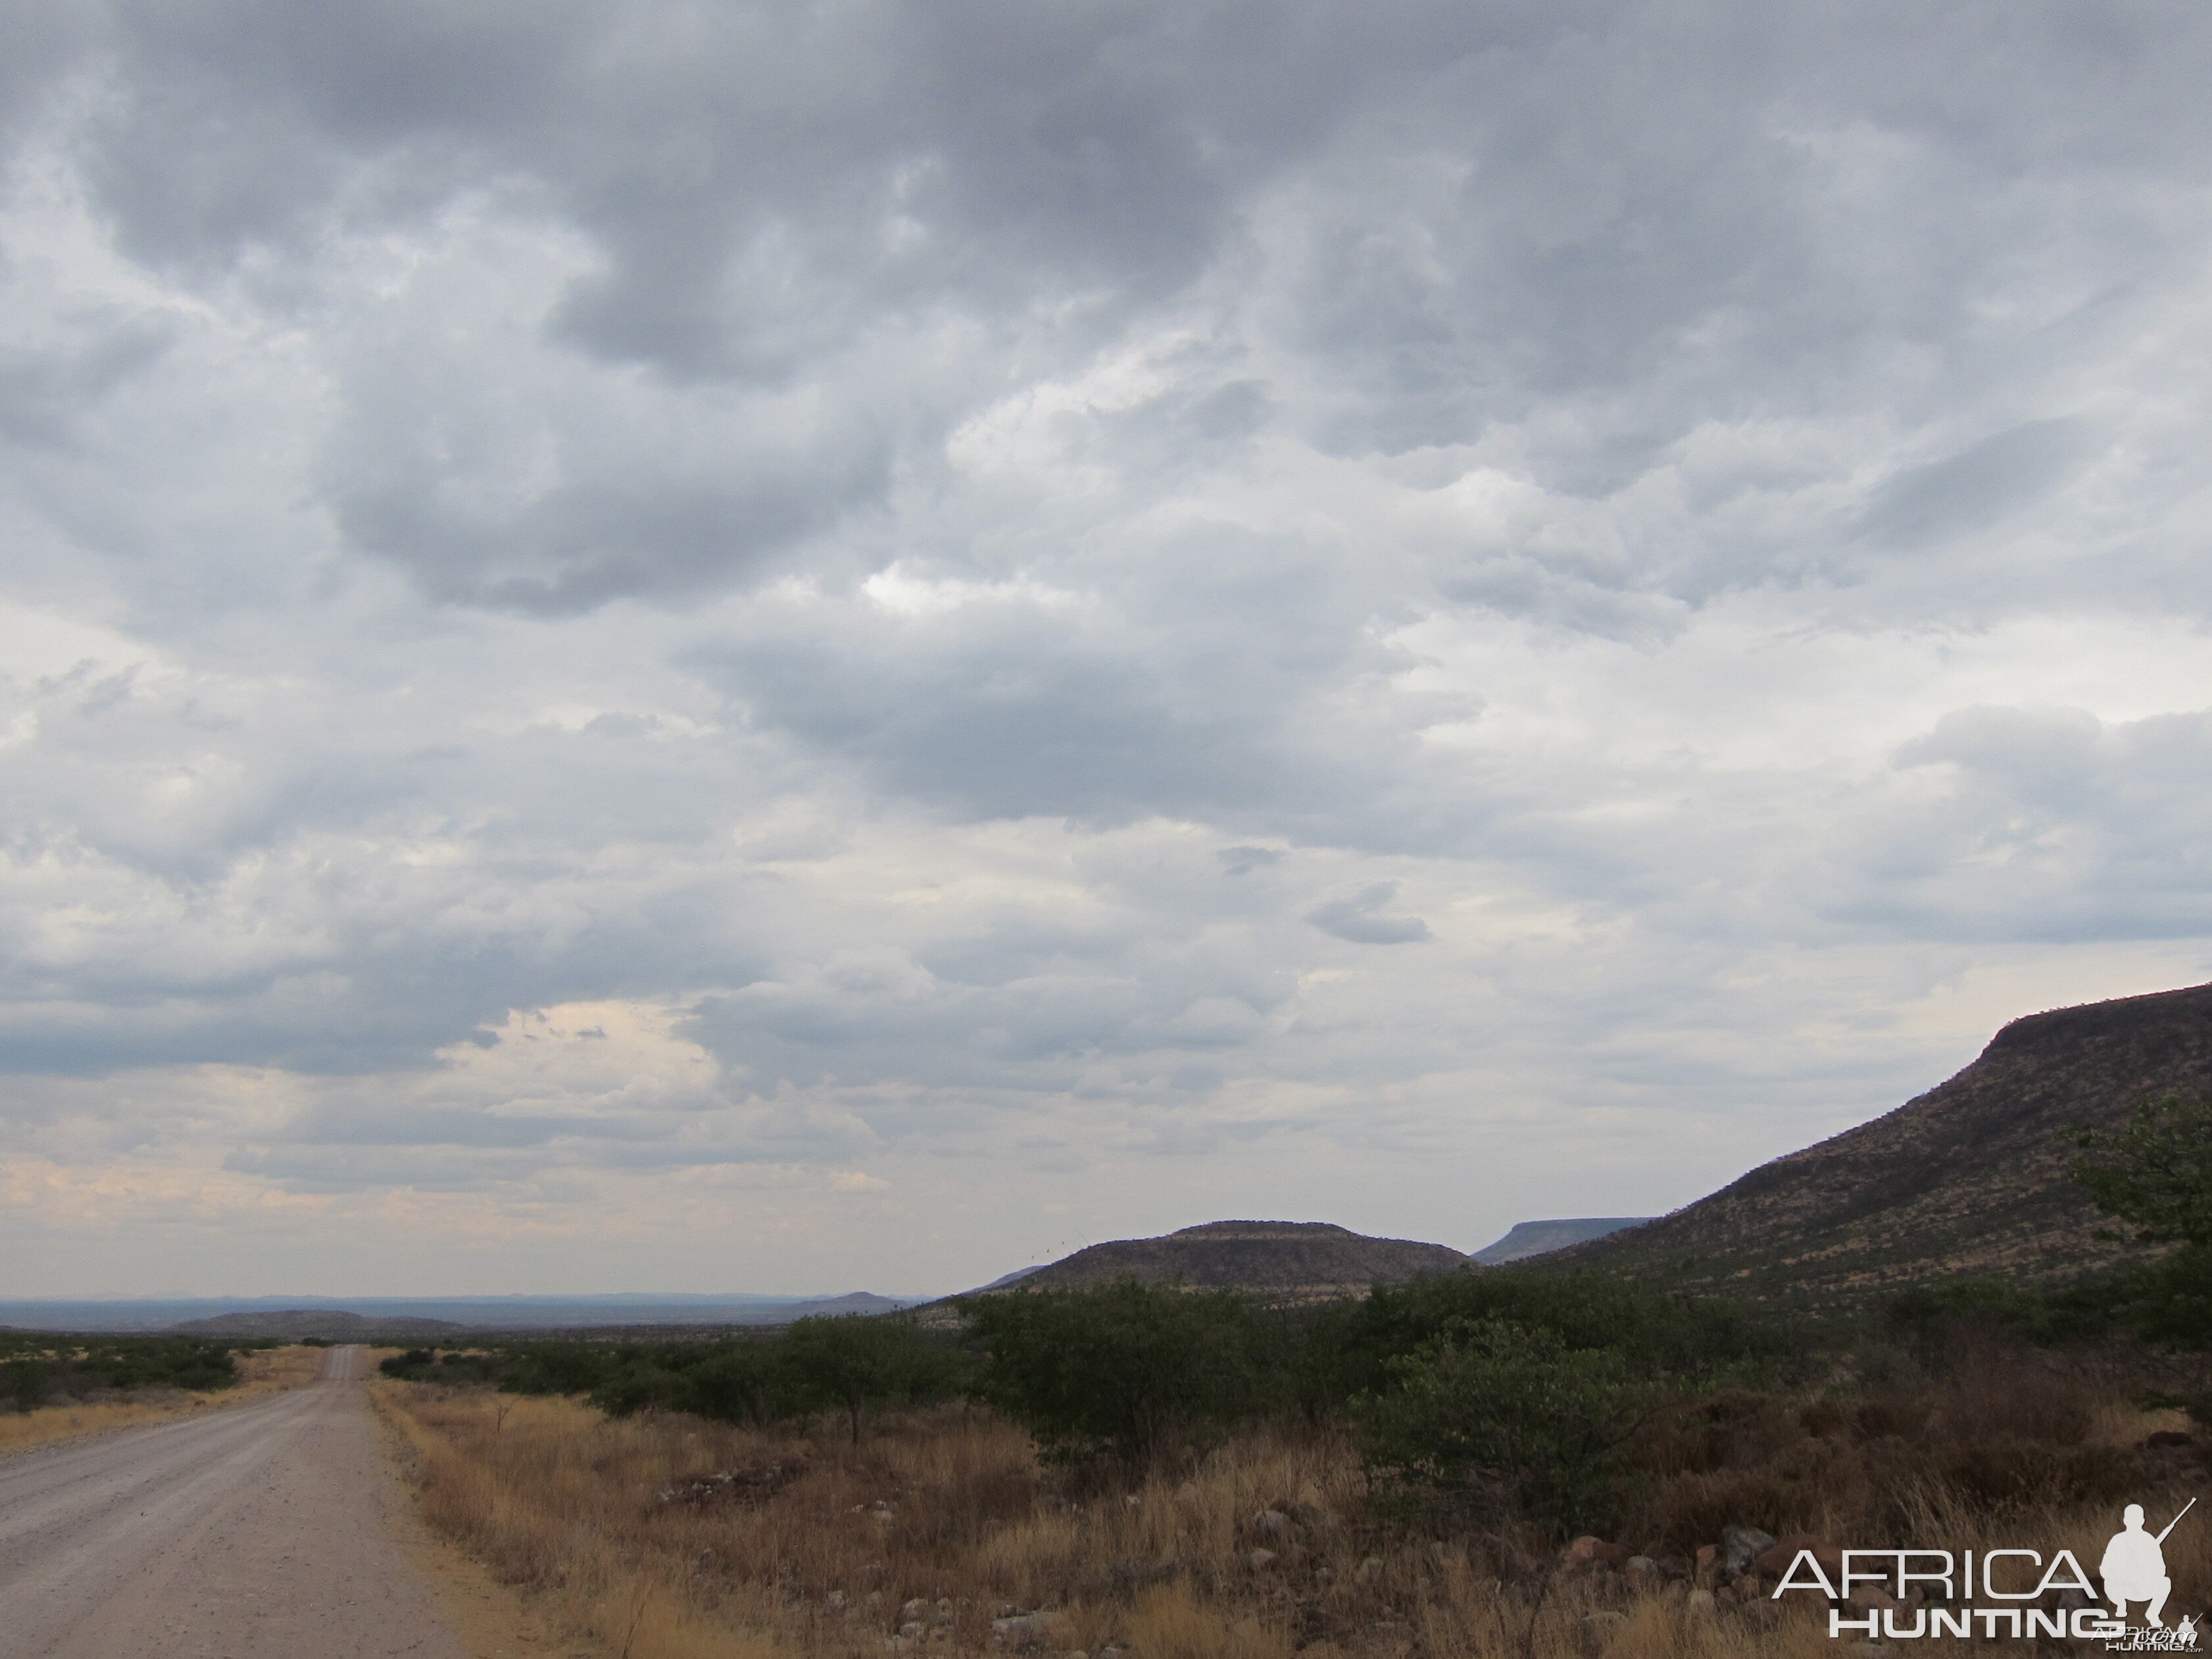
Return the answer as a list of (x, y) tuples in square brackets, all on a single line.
[(699, 647)]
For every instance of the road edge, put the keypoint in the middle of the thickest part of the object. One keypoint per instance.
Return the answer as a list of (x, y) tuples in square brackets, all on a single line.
[(493, 1618)]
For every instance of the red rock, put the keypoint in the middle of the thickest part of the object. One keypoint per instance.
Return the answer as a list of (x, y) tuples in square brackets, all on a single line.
[(1776, 1562), (1588, 1553)]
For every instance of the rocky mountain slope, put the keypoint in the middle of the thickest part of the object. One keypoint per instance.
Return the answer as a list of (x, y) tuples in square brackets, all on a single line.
[(1969, 1177), (1282, 1260)]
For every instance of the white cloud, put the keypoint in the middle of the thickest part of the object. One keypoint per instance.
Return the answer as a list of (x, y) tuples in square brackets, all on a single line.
[(947, 577)]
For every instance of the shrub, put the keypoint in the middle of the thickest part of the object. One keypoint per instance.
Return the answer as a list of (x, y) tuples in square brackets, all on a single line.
[(1127, 1370), (1350, 1346), (737, 1383), (44, 1366), (2155, 1173), (24, 1383), (1495, 1422)]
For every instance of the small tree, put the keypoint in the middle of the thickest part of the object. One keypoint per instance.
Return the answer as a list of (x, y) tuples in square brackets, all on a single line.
[(854, 1361), (1492, 1422)]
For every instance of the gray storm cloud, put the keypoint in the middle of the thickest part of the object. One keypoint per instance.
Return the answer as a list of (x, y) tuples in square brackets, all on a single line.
[(946, 577)]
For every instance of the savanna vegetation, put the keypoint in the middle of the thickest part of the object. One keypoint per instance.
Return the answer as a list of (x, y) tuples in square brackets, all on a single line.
[(1518, 1460), (38, 1367), (56, 1387)]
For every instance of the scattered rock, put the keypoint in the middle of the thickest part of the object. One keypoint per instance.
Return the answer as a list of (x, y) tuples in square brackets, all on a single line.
[(1586, 1553), (835, 1598), (1605, 1618), (912, 1609), (1370, 1570), (1742, 1546), (1708, 1567), (750, 1483), (1869, 1598), (1747, 1587), (1702, 1601), (1261, 1559), (911, 1630), (1271, 1523), (1024, 1627)]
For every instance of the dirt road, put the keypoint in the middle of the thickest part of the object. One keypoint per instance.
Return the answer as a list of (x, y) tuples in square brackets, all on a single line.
[(250, 1533)]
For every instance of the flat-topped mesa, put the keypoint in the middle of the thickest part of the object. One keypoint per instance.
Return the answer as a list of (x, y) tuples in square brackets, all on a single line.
[(1970, 1177), (1262, 1229), (1282, 1260)]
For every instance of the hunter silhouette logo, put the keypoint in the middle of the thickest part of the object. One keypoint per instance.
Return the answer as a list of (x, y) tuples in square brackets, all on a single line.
[(2133, 1567)]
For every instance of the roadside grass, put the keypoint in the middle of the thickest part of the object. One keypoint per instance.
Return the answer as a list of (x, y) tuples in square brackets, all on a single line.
[(260, 1373), (811, 1547)]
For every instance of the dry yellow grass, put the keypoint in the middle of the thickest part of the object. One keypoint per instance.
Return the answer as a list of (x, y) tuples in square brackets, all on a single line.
[(814, 1549), (269, 1370)]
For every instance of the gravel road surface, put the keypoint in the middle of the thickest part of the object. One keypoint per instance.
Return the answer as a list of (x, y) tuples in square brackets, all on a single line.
[(252, 1532)]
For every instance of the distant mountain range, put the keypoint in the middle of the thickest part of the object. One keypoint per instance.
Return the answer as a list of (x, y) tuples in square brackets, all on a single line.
[(1530, 1239), (428, 1317), (1969, 1177)]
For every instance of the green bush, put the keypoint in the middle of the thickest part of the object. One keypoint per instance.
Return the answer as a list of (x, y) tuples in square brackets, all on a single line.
[(48, 1365), (25, 1383), (1127, 1370), (736, 1382), (856, 1362), (1350, 1346), (851, 1365), (2156, 1173), (1495, 1423)]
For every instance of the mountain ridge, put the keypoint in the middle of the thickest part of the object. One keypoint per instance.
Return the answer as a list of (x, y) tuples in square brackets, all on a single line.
[(1969, 1177)]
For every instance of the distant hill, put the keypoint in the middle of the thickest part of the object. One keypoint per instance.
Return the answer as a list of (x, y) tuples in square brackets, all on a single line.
[(1969, 1177), (1283, 1261), (858, 1302), (328, 1324), (1530, 1239), (622, 1310)]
